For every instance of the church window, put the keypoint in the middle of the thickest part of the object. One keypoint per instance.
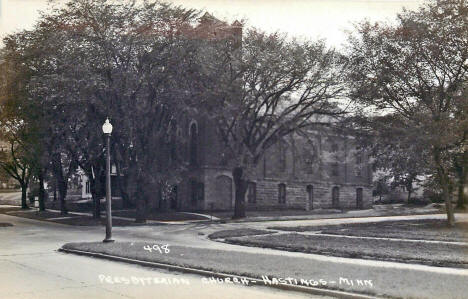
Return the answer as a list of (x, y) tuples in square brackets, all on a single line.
[(334, 147), (282, 157), (193, 144), (252, 192), (334, 169), (282, 193)]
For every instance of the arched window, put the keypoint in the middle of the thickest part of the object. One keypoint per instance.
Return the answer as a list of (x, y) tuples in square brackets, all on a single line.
[(336, 197), (359, 203), (335, 169), (252, 192), (173, 140), (193, 144), (173, 196), (282, 193), (88, 187), (193, 191), (282, 157), (223, 192), (310, 197), (197, 191), (358, 158)]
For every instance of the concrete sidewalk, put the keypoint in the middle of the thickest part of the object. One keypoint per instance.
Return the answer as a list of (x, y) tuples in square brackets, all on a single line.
[(376, 211)]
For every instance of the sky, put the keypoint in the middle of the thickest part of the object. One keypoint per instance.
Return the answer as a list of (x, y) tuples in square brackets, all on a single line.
[(310, 19)]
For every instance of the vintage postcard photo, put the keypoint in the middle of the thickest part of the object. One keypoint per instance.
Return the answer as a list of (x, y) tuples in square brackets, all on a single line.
[(222, 149)]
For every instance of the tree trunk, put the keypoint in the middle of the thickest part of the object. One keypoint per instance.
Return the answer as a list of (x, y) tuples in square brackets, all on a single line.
[(140, 202), (24, 188), (41, 191), (448, 206), (444, 182), (93, 184), (140, 209), (462, 177), (122, 185), (62, 196), (461, 201), (409, 196), (60, 183), (240, 188)]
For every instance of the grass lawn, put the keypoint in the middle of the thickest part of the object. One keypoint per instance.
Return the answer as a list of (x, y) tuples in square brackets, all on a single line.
[(431, 229), (160, 216), (229, 262), (82, 220), (90, 221), (201, 258), (238, 233), (34, 214), (4, 210), (275, 213), (387, 282), (70, 218), (449, 255)]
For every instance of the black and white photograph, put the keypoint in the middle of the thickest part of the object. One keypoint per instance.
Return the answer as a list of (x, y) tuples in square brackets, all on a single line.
[(233, 149)]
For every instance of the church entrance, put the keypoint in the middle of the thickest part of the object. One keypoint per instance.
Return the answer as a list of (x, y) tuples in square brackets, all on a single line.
[(223, 188)]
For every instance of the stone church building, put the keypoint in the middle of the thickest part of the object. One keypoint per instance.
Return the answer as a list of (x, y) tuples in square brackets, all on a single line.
[(317, 169)]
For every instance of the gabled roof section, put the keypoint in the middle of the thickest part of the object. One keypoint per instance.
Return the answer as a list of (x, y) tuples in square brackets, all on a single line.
[(237, 24), (210, 27)]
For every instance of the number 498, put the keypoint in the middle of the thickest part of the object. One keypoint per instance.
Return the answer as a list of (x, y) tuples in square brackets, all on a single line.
[(161, 249)]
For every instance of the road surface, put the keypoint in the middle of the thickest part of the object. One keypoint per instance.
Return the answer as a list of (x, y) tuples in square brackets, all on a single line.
[(31, 267)]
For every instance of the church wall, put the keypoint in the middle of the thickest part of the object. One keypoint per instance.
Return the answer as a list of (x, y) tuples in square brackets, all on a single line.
[(320, 160), (297, 195)]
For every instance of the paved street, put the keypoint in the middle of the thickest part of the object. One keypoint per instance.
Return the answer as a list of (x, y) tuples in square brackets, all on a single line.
[(32, 268)]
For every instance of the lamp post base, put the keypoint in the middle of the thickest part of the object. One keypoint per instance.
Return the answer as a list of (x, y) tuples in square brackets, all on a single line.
[(107, 241)]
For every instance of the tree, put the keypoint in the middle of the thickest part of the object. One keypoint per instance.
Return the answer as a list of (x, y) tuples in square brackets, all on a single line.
[(416, 69), (93, 59), (17, 164), (460, 158), (381, 187), (263, 91), (15, 129), (460, 165), (397, 152)]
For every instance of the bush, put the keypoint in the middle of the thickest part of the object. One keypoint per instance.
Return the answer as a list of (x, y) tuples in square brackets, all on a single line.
[(433, 196)]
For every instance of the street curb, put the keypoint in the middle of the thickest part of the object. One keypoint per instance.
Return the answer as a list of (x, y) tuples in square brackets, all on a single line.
[(296, 288)]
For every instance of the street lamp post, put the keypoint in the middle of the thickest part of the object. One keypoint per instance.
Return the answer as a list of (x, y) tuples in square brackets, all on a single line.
[(107, 130)]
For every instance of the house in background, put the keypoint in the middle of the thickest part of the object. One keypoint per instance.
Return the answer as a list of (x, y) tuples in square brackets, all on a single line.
[(6, 181)]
